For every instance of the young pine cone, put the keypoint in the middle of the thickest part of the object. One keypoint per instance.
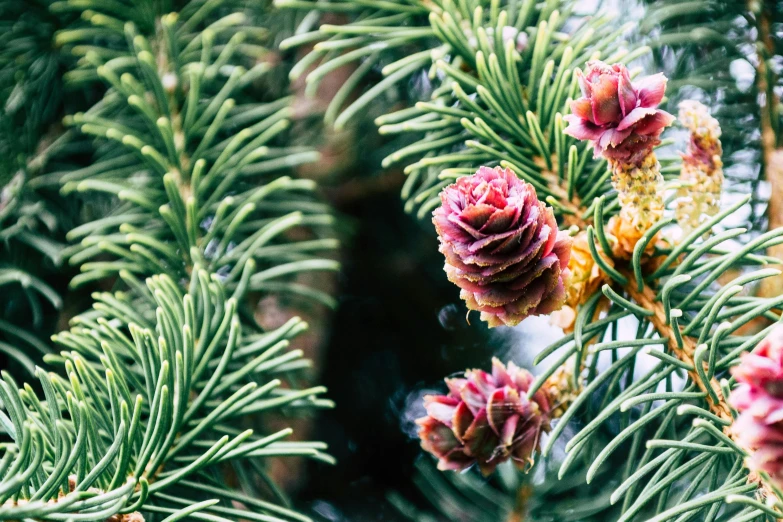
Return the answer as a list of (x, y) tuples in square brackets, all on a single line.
[(621, 121), (502, 247), (485, 419), (620, 118), (759, 398)]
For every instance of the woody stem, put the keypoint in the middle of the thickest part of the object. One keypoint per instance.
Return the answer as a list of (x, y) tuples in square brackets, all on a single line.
[(646, 298)]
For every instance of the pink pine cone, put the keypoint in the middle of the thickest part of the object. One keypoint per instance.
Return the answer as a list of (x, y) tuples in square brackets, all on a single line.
[(485, 419), (759, 398), (619, 117), (502, 247)]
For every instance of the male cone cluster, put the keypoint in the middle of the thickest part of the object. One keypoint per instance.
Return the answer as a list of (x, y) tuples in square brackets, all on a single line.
[(702, 167)]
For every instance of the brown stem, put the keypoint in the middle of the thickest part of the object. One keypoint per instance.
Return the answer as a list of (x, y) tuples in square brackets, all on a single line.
[(772, 155), (765, 77), (646, 299), (127, 517), (520, 504)]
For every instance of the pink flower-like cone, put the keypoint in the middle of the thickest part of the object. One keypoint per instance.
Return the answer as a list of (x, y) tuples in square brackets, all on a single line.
[(620, 118), (485, 419), (502, 247), (759, 399), (623, 124)]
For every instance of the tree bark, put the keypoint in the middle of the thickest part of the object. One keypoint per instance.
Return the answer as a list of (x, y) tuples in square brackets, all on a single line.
[(771, 153)]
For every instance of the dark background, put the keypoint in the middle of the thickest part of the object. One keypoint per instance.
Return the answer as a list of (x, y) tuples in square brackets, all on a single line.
[(399, 329)]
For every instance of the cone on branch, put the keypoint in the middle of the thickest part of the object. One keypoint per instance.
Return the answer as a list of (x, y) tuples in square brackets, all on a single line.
[(486, 419), (759, 399), (702, 167), (502, 247), (620, 118), (621, 121)]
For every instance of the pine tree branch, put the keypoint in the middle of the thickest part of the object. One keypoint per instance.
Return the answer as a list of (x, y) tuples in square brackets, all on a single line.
[(646, 298), (137, 437), (718, 405), (684, 349), (161, 379)]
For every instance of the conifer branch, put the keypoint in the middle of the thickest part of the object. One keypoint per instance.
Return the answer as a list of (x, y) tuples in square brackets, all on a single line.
[(646, 298), (683, 347), (165, 383), (139, 413)]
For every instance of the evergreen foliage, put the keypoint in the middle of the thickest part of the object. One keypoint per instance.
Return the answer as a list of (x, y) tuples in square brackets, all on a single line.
[(169, 183), (148, 409), (33, 219), (175, 175)]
